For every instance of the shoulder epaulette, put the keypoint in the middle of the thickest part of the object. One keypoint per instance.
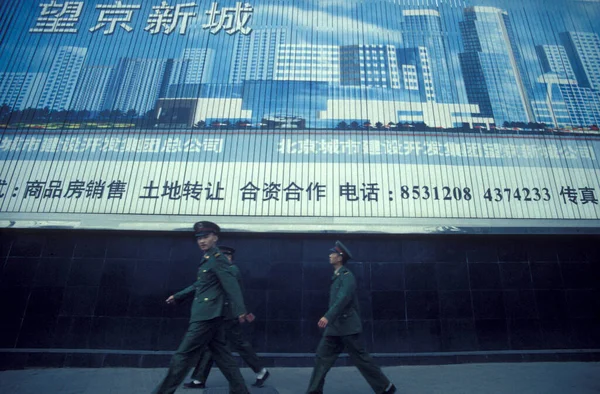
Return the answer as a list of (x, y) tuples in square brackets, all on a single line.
[(217, 254)]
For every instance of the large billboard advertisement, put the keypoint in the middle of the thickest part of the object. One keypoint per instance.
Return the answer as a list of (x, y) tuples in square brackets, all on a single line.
[(386, 116)]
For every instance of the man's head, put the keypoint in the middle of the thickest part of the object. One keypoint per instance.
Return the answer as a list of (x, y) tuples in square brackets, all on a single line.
[(339, 254), (207, 234), (228, 251)]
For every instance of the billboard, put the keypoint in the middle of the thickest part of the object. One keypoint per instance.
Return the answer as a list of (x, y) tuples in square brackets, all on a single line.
[(385, 116)]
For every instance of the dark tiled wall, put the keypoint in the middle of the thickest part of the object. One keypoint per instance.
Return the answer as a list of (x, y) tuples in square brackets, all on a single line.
[(106, 290)]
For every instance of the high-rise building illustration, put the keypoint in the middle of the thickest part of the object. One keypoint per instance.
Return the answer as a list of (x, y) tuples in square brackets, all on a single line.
[(415, 70), (583, 50), (62, 78), (369, 65), (554, 60), (490, 65), (194, 67), (21, 90), (547, 101), (423, 28), (92, 88), (562, 102), (136, 84), (254, 55), (307, 62), (582, 103)]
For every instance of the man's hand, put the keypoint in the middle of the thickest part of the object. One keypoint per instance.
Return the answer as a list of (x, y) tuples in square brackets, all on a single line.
[(171, 300), (323, 322), (242, 318), (250, 317)]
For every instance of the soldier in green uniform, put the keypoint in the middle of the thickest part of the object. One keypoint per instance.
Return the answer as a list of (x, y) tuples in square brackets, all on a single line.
[(215, 283), (343, 326), (235, 339)]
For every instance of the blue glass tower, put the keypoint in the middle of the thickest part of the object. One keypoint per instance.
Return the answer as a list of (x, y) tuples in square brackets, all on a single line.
[(423, 28), (415, 68), (582, 103), (583, 49), (548, 102), (554, 60), (490, 64)]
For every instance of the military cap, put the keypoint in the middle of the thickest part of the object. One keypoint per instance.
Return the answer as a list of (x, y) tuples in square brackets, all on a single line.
[(203, 228), (227, 250), (341, 249)]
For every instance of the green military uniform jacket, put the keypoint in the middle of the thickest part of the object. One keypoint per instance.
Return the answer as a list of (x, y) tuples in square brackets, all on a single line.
[(216, 282), (228, 311), (343, 314)]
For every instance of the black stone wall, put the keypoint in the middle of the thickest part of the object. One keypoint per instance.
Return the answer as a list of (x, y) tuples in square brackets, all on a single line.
[(87, 298)]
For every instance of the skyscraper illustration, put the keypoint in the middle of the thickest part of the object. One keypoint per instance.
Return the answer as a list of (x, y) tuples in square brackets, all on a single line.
[(554, 60), (136, 84), (547, 101), (415, 69), (369, 65), (490, 64), (62, 78), (583, 49), (18, 90), (92, 88), (569, 89), (194, 67), (582, 103), (423, 28), (308, 62), (254, 55)]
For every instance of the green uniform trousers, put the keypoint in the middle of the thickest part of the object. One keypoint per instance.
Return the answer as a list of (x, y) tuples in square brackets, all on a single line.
[(200, 336), (236, 342), (328, 351)]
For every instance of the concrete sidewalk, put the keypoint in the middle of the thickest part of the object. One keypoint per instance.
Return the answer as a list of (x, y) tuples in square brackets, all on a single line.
[(506, 378)]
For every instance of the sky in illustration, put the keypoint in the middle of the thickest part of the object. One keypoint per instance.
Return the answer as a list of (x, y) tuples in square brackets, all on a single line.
[(317, 22)]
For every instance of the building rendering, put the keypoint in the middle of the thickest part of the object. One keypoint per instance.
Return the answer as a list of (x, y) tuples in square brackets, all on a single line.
[(136, 84), (554, 59), (416, 72), (548, 103), (422, 28), (307, 62), (582, 103), (62, 78), (193, 67), (254, 55), (21, 90), (369, 65), (92, 88), (490, 65), (570, 98), (583, 49)]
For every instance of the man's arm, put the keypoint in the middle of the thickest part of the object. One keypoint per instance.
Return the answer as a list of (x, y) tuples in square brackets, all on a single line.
[(236, 271), (343, 297), (183, 294), (238, 276), (231, 287)]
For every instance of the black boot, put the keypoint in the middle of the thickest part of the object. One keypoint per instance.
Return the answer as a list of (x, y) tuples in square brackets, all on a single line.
[(261, 381), (194, 385)]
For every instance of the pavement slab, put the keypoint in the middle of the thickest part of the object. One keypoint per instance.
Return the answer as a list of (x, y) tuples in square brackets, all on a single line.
[(504, 378)]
